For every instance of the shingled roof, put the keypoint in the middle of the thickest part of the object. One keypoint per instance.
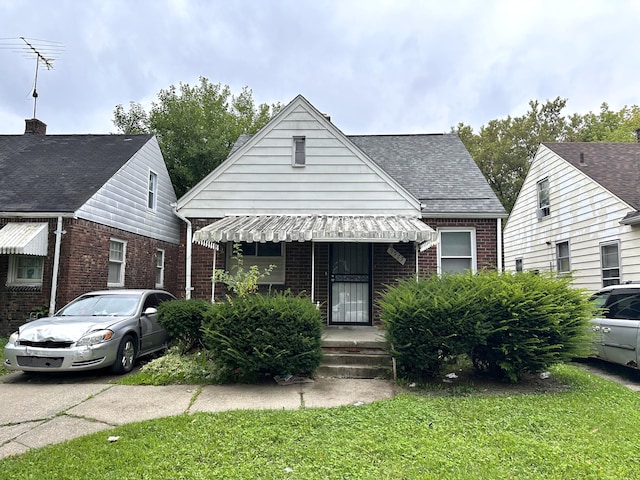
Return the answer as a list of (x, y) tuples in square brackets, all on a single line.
[(615, 166), (437, 169), (59, 173)]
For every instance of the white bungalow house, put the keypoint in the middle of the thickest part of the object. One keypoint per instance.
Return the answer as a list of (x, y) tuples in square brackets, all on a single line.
[(81, 213), (578, 213), (340, 216)]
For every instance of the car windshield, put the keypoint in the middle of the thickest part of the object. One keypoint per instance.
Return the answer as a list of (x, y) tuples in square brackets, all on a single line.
[(102, 305)]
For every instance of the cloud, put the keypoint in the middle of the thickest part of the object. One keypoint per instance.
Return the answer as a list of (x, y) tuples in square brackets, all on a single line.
[(376, 66)]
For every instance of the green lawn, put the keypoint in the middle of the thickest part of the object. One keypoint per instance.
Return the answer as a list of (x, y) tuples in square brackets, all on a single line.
[(3, 342), (587, 432)]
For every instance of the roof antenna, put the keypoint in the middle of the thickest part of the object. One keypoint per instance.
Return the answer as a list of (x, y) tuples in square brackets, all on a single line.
[(40, 51), (44, 52)]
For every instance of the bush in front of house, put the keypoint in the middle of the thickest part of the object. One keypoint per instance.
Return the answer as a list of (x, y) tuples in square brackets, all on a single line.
[(537, 320), (430, 322), (182, 319), (257, 335), (509, 325)]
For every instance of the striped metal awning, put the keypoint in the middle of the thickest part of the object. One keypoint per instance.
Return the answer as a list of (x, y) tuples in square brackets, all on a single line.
[(24, 239), (319, 228)]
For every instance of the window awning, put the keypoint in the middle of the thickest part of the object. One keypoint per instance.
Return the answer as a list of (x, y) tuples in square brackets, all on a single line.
[(319, 228), (24, 239)]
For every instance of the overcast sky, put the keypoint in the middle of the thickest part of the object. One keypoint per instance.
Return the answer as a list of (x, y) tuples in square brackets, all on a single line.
[(375, 66)]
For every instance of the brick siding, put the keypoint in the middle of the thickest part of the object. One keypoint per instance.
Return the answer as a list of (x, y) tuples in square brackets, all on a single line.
[(84, 266)]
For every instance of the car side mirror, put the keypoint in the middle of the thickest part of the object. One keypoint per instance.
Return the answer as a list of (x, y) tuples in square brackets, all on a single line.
[(150, 311)]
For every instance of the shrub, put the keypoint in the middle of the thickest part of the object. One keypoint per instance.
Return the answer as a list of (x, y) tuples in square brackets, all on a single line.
[(537, 320), (430, 322), (257, 335), (183, 319), (508, 324)]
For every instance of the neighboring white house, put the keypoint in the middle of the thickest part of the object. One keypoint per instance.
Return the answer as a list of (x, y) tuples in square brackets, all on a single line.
[(578, 212)]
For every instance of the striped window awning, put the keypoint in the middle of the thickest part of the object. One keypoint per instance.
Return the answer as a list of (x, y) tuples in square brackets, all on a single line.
[(24, 239), (319, 228)]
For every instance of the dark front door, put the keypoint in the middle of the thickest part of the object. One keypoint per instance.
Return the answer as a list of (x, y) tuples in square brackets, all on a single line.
[(350, 283)]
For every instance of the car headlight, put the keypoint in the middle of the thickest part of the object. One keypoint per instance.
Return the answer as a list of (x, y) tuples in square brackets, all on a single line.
[(94, 338), (13, 338)]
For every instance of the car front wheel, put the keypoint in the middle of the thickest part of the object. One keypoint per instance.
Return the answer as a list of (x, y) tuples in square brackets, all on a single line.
[(126, 355)]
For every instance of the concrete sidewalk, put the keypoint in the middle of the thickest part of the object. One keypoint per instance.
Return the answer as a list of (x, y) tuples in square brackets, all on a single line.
[(37, 414)]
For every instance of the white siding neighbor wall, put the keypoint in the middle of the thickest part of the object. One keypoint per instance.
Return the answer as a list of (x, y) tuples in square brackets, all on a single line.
[(581, 212), (122, 201), (260, 178)]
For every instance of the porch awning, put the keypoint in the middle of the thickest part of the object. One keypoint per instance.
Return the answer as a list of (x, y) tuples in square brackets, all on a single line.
[(24, 239), (319, 228)]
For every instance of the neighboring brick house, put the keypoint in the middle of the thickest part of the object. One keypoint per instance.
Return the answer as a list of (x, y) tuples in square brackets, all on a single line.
[(340, 216), (81, 213)]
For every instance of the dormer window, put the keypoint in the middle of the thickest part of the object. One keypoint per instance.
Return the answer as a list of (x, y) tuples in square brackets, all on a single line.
[(299, 152), (543, 199)]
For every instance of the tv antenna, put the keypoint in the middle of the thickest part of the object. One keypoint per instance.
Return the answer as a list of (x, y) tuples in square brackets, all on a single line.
[(44, 52)]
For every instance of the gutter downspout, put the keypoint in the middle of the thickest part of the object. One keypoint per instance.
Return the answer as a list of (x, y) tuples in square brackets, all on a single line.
[(187, 282), (56, 268), (499, 244)]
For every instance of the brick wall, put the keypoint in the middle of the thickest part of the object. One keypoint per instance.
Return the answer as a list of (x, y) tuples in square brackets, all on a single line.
[(84, 265)]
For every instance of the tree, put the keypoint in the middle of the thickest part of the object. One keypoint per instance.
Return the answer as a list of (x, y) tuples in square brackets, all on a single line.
[(503, 149), (196, 126)]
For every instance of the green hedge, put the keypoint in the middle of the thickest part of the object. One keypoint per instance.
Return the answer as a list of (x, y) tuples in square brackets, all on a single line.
[(182, 319), (508, 324), (275, 334)]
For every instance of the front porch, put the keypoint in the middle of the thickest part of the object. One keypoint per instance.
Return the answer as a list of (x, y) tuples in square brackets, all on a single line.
[(355, 352)]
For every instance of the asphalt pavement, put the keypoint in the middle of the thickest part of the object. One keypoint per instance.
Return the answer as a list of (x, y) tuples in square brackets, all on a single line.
[(38, 410)]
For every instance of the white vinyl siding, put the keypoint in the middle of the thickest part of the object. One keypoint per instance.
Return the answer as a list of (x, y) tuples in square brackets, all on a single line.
[(117, 257), (25, 270), (584, 213), (337, 179), (456, 251), (123, 201)]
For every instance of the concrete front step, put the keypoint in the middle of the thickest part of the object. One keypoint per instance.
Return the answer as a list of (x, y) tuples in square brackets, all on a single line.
[(354, 371), (364, 359)]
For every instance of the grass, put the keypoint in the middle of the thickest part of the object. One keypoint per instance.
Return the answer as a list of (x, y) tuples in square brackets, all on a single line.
[(3, 342), (586, 432)]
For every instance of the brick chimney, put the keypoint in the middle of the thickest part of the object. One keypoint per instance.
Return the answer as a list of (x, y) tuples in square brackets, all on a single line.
[(35, 126)]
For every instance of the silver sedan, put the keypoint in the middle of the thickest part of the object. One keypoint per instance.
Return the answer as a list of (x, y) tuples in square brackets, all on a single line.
[(109, 328)]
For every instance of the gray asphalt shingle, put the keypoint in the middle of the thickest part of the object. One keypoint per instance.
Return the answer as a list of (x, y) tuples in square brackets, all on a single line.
[(59, 173)]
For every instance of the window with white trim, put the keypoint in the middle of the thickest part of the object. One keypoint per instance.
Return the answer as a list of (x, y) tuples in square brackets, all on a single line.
[(160, 268), (25, 270), (457, 251), (544, 209), (518, 264), (610, 263), (261, 255), (152, 192), (117, 256), (299, 151), (563, 258)]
